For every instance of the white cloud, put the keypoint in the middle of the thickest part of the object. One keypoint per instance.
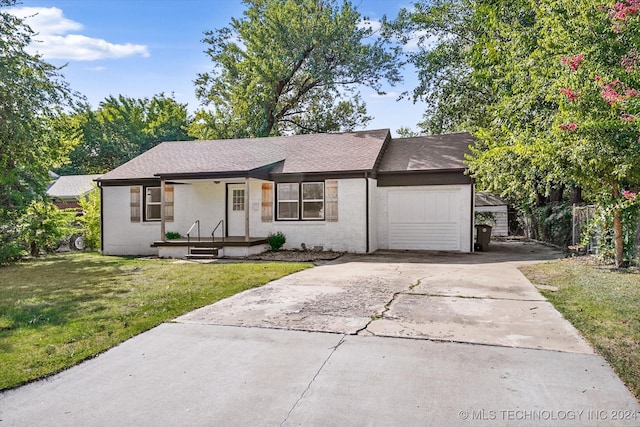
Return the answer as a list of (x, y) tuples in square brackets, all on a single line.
[(419, 39), (98, 68), (370, 23), (53, 40)]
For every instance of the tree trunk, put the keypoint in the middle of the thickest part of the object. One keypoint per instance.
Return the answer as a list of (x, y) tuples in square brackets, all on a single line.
[(556, 193), (617, 233), (576, 196)]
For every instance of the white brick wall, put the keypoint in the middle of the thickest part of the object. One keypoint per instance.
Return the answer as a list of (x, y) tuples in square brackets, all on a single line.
[(121, 236), (347, 234)]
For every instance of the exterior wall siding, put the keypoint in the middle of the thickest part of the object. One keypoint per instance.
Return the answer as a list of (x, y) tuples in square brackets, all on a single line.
[(466, 200), (120, 235), (346, 234), (501, 228)]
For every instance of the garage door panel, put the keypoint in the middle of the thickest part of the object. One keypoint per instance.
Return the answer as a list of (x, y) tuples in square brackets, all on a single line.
[(427, 219), (424, 236)]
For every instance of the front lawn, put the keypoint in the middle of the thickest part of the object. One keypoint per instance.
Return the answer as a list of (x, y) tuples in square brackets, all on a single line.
[(57, 311), (603, 304)]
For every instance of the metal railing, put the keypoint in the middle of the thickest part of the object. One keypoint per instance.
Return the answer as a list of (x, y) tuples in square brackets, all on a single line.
[(213, 233), (196, 222)]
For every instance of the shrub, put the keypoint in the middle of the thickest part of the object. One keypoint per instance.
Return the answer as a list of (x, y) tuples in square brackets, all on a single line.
[(172, 235), (90, 220), (44, 225), (276, 240)]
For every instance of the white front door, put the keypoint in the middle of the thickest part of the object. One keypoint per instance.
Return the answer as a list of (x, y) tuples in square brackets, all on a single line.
[(235, 209)]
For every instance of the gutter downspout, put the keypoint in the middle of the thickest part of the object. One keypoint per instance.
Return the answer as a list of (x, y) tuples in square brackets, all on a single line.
[(162, 210), (366, 180), (101, 218), (473, 214)]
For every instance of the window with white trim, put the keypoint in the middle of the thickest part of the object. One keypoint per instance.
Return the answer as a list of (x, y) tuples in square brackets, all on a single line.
[(153, 203), (304, 201), (313, 200), (288, 200)]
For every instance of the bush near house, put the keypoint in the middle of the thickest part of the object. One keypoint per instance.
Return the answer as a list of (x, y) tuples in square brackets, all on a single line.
[(276, 240)]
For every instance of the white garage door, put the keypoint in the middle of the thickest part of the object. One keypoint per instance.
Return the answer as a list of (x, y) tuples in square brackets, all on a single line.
[(424, 219)]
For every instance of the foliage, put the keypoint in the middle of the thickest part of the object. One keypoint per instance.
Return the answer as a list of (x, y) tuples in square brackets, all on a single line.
[(552, 223), (485, 218), (172, 235), (91, 218), (58, 311), (550, 92), (276, 240), (44, 226), (602, 304), (290, 66), (600, 228), (119, 130), (32, 93), (406, 132)]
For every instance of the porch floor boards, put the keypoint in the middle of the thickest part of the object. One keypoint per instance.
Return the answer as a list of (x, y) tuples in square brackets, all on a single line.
[(218, 242)]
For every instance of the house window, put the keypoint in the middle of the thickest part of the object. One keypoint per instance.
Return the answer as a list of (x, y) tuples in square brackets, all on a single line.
[(301, 201), (153, 201), (288, 200), (151, 204), (312, 200), (238, 200)]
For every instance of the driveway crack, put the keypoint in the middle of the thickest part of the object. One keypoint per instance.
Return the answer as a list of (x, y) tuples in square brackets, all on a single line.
[(333, 350), (387, 307)]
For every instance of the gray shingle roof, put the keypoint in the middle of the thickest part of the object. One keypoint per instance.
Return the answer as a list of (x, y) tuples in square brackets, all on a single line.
[(352, 151), (71, 186), (484, 198), (427, 153)]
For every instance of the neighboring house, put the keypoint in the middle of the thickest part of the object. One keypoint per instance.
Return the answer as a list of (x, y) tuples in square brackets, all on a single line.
[(488, 202), (356, 192), (67, 190)]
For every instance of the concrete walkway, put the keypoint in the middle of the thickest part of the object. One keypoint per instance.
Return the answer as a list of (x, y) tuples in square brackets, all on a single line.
[(325, 347)]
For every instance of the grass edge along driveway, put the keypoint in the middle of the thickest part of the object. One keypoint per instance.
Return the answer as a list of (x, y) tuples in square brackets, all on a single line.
[(62, 309), (602, 303)]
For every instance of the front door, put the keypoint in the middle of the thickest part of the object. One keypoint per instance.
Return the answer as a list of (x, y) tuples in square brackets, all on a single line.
[(235, 209)]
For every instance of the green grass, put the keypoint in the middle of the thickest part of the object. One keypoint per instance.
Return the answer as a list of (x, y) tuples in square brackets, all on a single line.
[(603, 304), (57, 311)]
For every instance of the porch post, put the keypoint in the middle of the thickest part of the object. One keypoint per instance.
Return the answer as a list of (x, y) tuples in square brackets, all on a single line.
[(246, 209), (162, 228)]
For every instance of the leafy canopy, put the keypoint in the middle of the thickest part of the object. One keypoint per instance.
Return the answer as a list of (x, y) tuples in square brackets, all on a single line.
[(32, 93), (119, 130), (291, 66)]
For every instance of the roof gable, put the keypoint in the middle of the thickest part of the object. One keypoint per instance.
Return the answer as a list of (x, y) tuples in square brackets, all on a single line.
[(71, 186), (427, 153), (339, 152)]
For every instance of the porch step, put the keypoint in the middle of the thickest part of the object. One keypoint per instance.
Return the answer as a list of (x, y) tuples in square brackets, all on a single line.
[(202, 253)]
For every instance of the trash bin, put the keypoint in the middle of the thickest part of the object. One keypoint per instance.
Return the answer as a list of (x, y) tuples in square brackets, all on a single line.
[(483, 236)]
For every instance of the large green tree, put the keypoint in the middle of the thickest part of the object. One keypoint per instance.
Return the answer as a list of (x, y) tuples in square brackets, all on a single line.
[(119, 130), (291, 66), (32, 93), (562, 94)]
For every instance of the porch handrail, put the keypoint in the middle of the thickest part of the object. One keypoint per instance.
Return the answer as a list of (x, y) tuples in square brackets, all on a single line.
[(196, 222), (213, 233)]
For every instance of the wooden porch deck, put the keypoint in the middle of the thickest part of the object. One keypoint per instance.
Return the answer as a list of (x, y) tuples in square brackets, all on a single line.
[(208, 243)]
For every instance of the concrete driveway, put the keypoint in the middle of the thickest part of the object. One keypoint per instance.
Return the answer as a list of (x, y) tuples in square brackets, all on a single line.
[(385, 339)]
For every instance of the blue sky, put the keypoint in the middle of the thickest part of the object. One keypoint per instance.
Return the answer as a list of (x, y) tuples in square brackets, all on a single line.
[(139, 48)]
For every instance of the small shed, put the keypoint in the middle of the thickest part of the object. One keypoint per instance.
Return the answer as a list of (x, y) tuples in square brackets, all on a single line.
[(488, 202), (67, 190)]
